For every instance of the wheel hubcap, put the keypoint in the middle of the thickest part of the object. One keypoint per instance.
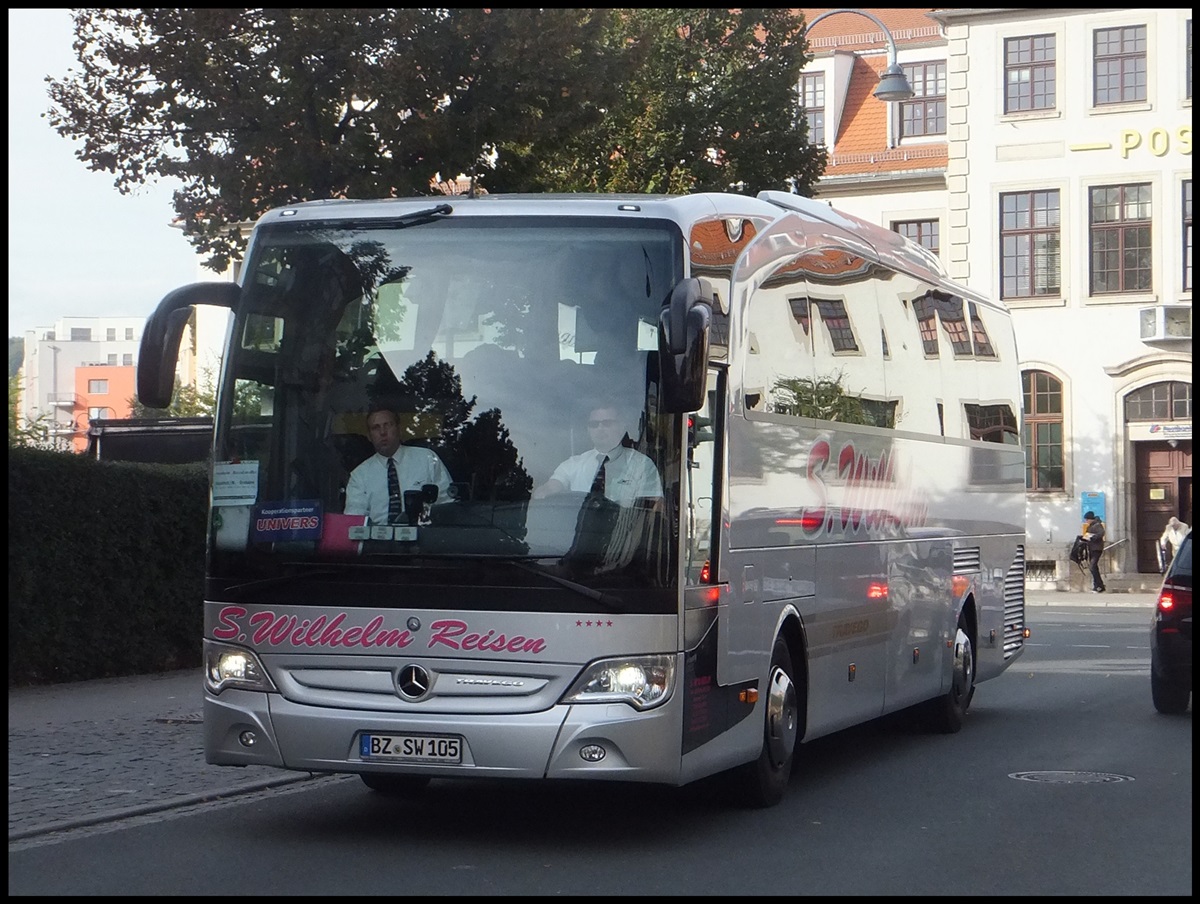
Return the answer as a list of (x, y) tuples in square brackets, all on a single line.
[(964, 664), (781, 717)]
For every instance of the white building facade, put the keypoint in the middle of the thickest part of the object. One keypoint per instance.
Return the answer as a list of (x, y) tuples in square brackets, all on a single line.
[(1046, 159)]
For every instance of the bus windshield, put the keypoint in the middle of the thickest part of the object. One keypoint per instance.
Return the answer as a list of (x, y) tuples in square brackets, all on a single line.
[(449, 403)]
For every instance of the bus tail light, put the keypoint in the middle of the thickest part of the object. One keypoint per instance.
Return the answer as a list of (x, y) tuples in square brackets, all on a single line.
[(641, 681)]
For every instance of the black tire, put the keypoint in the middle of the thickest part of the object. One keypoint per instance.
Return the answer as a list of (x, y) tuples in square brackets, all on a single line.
[(763, 782), (1171, 699), (946, 713), (409, 787)]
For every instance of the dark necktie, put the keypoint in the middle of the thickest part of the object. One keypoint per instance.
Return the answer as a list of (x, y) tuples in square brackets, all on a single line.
[(599, 480), (395, 500)]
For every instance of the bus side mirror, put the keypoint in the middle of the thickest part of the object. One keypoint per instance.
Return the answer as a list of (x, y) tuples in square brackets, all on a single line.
[(158, 353), (683, 345)]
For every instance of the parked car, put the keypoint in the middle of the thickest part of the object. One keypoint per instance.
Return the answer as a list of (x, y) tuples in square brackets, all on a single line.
[(1171, 635)]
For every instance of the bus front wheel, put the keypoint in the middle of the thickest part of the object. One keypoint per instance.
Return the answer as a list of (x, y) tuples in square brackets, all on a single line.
[(762, 783)]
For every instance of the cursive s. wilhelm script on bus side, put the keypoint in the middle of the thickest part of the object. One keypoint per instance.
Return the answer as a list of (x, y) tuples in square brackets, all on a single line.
[(267, 628), (870, 496)]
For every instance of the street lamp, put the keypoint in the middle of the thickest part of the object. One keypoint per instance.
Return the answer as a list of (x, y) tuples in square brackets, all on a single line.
[(893, 86)]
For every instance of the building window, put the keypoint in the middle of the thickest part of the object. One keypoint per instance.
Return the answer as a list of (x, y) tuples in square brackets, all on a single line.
[(1188, 60), (812, 100), (128, 332), (1030, 241), (94, 413), (1160, 402), (81, 334), (950, 312), (1029, 74), (926, 313), (800, 314), (834, 316), (1042, 431), (111, 333), (97, 387), (112, 360), (127, 360), (983, 344), (1120, 238), (1120, 65), (1187, 234), (925, 114), (923, 232), (992, 423)]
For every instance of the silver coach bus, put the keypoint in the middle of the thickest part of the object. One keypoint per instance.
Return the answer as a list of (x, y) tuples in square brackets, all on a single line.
[(704, 477)]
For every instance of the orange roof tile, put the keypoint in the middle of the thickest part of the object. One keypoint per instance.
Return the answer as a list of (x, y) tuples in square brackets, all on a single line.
[(853, 32), (861, 145)]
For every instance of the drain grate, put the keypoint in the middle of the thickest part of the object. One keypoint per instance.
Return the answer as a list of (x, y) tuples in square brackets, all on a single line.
[(1070, 778)]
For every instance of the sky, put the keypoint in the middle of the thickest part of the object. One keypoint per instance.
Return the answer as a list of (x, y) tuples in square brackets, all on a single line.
[(76, 246)]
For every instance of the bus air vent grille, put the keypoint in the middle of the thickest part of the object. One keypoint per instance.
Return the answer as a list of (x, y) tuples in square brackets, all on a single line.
[(966, 560), (1014, 604)]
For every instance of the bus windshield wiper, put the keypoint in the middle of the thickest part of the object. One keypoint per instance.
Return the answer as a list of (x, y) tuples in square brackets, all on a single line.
[(400, 221), (282, 579)]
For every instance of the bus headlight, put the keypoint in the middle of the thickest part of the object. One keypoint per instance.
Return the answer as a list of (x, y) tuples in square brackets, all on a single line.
[(641, 681), (229, 666)]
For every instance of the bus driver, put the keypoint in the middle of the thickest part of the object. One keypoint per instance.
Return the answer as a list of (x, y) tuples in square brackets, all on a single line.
[(376, 487), (611, 468)]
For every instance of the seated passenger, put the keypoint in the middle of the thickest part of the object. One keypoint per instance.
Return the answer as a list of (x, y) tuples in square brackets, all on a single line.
[(609, 468), (377, 486)]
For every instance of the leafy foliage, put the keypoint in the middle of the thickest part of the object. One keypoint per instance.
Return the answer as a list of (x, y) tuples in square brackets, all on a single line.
[(824, 399), (708, 103), (256, 108), (252, 108)]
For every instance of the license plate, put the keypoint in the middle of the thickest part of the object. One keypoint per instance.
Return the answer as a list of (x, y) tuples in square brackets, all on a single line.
[(411, 748)]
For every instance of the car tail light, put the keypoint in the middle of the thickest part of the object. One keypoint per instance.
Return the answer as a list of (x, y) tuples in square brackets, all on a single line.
[(1175, 600)]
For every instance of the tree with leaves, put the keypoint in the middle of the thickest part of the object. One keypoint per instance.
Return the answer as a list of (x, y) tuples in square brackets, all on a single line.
[(709, 103), (252, 109)]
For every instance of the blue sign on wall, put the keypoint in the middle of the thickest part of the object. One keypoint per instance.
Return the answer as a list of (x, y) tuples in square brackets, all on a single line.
[(1092, 502)]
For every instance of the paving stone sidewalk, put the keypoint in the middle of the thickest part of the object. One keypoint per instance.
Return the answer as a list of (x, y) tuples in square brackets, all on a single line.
[(94, 751)]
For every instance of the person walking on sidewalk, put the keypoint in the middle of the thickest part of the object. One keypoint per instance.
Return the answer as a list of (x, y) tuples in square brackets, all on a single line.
[(1093, 535)]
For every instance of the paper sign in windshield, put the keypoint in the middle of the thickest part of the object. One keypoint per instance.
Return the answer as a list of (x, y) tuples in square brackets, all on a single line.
[(235, 483)]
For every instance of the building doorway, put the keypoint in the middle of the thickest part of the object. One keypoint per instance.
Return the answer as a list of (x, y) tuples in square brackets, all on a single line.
[(1163, 487)]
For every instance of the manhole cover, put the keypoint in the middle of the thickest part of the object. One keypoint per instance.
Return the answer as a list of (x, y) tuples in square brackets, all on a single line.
[(1070, 778)]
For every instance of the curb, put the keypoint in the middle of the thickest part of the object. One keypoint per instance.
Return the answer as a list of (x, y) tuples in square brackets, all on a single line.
[(174, 803)]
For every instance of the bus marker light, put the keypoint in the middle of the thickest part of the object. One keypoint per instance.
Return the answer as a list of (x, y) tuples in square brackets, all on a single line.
[(877, 590), (749, 695), (593, 753), (1027, 634), (959, 584)]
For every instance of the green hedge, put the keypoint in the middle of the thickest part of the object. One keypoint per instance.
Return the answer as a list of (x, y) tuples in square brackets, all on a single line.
[(105, 567)]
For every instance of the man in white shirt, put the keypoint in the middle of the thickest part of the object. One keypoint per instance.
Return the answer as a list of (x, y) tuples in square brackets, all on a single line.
[(1172, 539), (368, 492), (610, 468)]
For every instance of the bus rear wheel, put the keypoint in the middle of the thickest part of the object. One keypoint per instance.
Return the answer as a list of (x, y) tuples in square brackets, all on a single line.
[(409, 787), (762, 783)]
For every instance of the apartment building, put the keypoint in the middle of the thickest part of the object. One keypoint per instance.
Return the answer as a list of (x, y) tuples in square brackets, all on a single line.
[(1045, 157), (78, 369)]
